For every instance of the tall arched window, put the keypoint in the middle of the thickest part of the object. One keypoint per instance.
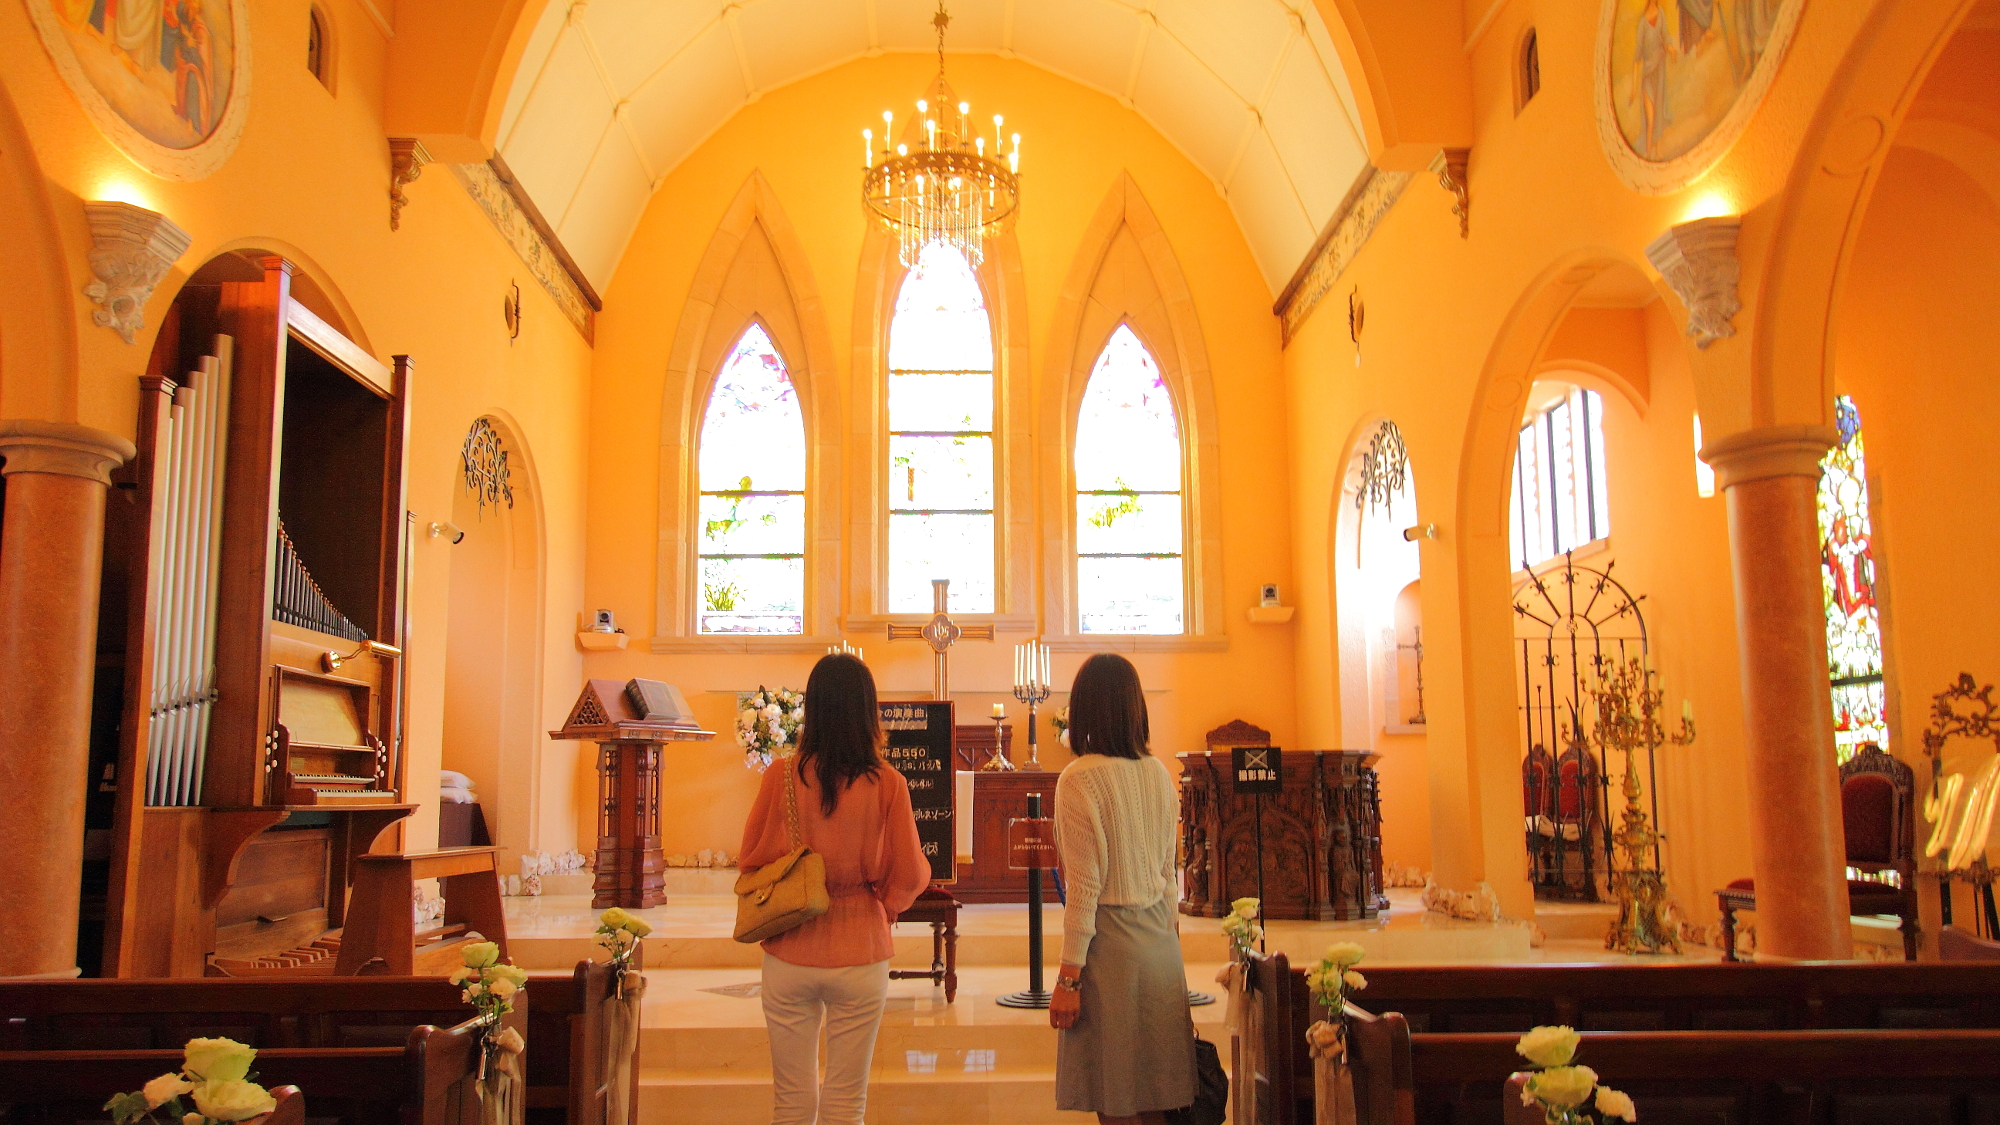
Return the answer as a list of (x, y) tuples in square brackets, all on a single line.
[(1561, 501), (941, 437), (1128, 496), (752, 463)]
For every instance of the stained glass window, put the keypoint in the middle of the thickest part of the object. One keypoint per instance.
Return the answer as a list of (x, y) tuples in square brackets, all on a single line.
[(1847, 573), (752, 468), (1560, 499), (1129, 577), (941, 437)]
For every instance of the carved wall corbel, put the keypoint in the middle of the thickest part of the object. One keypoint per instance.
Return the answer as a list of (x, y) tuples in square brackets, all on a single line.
[(407, 158), (1697, 259), (1449, 167), (131, 250)]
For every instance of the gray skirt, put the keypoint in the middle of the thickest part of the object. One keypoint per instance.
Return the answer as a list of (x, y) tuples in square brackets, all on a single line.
[(1132, 1049)]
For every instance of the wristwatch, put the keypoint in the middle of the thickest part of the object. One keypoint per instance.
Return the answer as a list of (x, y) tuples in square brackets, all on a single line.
[(1069, 984)]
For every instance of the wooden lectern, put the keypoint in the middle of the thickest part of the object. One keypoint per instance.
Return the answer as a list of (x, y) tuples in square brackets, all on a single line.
[(629, 861)]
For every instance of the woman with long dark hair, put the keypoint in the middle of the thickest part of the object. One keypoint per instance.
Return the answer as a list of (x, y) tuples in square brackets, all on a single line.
[(854, 811), (1126, 1051)]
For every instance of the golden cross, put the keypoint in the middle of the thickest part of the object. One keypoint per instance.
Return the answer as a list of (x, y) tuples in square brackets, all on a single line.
[(940, 632)]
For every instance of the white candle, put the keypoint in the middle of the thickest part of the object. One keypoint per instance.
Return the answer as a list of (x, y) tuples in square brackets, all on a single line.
[(867, 148), (999, 710), (1046, 681), (1017, 665)]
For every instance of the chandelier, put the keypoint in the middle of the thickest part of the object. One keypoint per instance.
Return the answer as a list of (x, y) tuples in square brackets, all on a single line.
[(939, 182)]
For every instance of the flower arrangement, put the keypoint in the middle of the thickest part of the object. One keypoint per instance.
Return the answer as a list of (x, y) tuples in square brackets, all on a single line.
[(767, 725), (1335, 976), (490, 987), (1060, 720), (619, 933), (1562, 1088), (1241, 928), (214, 1074)]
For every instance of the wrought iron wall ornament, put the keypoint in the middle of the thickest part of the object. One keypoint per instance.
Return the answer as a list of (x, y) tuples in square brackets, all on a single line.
[(484, 461), (1385, 470)]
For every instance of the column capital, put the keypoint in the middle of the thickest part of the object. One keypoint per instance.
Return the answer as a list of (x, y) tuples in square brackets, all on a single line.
[(1773, 451), (62, 448)]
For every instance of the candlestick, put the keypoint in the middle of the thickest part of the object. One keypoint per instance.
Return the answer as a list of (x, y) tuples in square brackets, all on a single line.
[(1031, 686)]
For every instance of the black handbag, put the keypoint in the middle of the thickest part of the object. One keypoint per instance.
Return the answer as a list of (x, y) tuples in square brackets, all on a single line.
[(1211, 1089)]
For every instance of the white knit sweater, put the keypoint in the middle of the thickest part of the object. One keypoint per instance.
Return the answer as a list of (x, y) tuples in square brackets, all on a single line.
[(1115, 821)]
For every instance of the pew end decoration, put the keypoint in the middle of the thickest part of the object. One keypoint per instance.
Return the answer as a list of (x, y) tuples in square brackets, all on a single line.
[(767, 725), (1566, 1093), (491, 987), (620, 934), (215, 1078), (1240, 926), (1330, 981)]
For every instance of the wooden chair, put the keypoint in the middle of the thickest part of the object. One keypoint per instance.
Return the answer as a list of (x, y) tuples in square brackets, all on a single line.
[(937, 908), (1878, 815), (1955, 944)]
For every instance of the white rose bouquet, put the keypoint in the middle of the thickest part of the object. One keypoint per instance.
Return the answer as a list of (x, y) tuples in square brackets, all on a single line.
[(619, 932), (1060, 720), (1241, 928), (768, 723), (215, 1075), (1567, 1093)]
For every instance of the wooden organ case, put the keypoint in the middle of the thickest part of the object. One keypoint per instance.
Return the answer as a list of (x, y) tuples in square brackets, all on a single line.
[(265, 535)]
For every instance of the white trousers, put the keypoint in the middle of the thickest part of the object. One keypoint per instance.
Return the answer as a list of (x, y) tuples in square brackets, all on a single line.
[(797, 1000)]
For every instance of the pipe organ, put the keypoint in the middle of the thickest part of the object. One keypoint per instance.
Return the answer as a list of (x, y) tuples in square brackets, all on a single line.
[(259, 755)]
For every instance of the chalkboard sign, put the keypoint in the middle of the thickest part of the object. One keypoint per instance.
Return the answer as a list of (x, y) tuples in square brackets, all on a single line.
[(920, 748)]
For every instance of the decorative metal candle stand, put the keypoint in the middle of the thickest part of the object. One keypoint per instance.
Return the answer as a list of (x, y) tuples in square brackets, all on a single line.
[(1032, 687), (999, 762), (1628, 720)]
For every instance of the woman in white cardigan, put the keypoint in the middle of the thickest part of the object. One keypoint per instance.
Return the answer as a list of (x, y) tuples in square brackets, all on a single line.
[(1126, 1051)]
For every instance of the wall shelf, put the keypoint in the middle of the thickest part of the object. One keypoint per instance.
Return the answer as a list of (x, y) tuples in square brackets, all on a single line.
[(1270, 614), (601, 642)]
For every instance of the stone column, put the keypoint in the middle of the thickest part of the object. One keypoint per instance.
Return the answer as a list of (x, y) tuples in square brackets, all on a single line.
[(51, 559), (1797, 845)]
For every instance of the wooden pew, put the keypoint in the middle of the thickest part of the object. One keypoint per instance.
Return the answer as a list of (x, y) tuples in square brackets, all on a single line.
[(1282, 1065), (568, 1071), (350, 1085), (1688, 997), (1809, 1077)]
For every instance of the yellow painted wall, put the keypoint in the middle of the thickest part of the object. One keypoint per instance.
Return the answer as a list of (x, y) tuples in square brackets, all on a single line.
[(1075, 145)]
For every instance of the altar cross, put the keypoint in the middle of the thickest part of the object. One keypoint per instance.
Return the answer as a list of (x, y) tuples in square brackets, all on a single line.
[(940, 632)]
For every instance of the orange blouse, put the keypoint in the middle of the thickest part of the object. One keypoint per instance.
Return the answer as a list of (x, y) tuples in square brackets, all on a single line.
[(875, 865)]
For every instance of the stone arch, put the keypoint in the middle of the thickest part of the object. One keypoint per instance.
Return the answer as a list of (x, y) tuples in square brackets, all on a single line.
[(755, 270), (877, 281), (1125, 273)]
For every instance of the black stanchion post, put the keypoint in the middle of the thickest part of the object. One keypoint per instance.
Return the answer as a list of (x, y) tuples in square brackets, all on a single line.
[(1259, 799), (1036, 996)]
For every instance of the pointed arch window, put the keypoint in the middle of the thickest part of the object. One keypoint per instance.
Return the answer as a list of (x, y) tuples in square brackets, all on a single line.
[(752, 470), (1129, 520), (941, 418), (1847, 573)]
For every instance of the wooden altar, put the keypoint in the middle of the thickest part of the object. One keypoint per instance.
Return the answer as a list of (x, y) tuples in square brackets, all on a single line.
[(630, 866), (1322, 835), (997, 797)]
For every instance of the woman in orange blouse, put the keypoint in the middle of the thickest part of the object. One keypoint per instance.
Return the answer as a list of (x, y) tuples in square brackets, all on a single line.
[(854, 811)]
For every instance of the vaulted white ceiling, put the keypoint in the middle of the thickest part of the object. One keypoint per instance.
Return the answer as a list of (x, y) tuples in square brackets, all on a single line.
[(613, 94)]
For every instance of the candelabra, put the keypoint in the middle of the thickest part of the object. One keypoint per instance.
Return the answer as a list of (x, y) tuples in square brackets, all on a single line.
[(1032, 687)]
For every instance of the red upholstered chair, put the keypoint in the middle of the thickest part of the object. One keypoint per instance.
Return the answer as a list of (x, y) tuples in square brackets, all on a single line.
[(1878, 814)]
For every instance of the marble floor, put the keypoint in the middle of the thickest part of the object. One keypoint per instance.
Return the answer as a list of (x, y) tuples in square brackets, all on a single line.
[(704, 1057)]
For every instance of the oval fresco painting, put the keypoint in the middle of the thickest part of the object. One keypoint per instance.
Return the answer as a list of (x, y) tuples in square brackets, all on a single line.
[(166, 80), (1678, 79)]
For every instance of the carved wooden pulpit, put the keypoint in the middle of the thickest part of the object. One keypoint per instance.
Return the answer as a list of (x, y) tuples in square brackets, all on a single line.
[(629, 744)]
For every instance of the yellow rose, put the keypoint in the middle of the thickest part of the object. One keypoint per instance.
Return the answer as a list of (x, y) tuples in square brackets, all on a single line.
[(1346, 954), (1353, 979), (614, 918), (1548, 1046), (166, 1086), (480, 954), (1613, 1103), (1564, 1087), (217, 1060), (503, 988), (235, 1100), (511, 973), (636, 928), (1244, 907), (459, 975)]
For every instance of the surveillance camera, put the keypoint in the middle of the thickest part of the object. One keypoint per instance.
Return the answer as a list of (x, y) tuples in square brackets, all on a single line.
[(448, 530)]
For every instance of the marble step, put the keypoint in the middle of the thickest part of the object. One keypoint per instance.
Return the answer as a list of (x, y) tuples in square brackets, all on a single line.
[(747, 1049), (913, 950), (1000, 1096)]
